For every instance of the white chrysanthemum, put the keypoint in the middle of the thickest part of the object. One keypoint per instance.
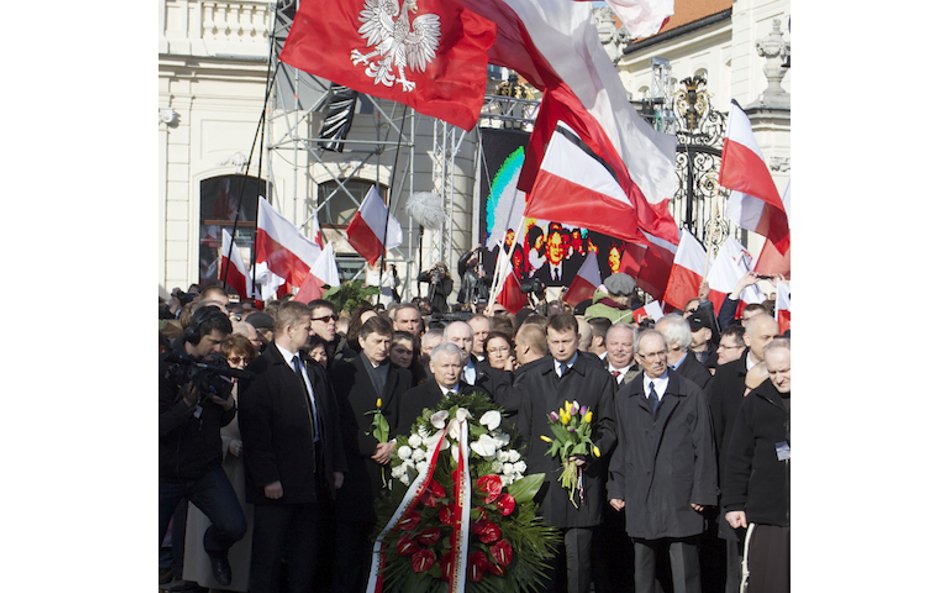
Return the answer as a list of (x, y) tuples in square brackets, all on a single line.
[(398, 471), (439, 418), (506, 480), (417, 455), (414, 441), (503, 438), (404, 479), (520, 467), (490, 419), (508, 469), (503, 456), (513, 456), (496, 466), (404, 452)]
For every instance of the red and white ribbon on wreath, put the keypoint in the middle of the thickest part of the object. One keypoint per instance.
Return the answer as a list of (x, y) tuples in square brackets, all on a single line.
[(461, 510)]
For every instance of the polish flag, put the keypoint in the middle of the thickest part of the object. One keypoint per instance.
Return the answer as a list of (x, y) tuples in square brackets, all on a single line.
[(653, 310), (323, 272), (366, 230), (288, 254), (271, 284), (770, 261), (782, 310), (585, 282), (686, 273), (642, 18), (656, 264), (232, 266), (754, 203), (732, 263), (510, 296)]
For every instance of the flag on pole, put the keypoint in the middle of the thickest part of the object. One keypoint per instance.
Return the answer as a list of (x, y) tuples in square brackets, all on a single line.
[(653, 310), (687, 271), (270, 283), (324, 272), (754, 202), (656, 264), (235, 270), (366, 230), (429, 55), (288, 254), (586, 281), (782, 310), (642, 18), (510, 296), (769, 260), (732, 263)]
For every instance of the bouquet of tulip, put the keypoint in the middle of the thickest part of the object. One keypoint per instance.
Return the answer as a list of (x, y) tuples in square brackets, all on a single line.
[(380, 430), (572, 431)]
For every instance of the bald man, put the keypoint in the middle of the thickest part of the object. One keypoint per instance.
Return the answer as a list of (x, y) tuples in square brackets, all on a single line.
[(725, 395)]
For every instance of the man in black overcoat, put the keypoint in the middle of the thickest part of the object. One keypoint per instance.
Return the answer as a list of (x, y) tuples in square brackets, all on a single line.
[(561, 376), (725, 396), (677, 333), (359, 384), (663, 471), (445, 381), (293, 457)]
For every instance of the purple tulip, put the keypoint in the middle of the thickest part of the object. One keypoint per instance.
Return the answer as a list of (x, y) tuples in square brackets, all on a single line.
[(583, 410), (575, 408), (570, 429), (554, 417)]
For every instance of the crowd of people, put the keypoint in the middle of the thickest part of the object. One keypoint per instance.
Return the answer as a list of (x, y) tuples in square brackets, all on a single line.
[(269, 475)]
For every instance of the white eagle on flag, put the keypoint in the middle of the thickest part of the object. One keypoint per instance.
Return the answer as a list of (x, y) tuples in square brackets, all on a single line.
[(397, 44)]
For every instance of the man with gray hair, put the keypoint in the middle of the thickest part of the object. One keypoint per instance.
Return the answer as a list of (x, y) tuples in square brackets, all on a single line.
[(677, 333), (445, 367), (461, 335), (407, 318), (619, 353)]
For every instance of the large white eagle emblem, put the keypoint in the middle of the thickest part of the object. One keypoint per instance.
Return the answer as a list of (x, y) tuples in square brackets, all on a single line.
[(397, 44)]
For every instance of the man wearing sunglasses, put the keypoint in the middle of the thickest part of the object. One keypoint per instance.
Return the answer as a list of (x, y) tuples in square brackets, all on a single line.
[(322, 322)]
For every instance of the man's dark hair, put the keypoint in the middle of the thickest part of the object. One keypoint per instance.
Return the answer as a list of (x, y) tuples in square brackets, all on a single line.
[(502, 324), (563, 322), (736, 330), (755, 307), (321, 303), (204, 321), (393, 312), (600, 325), (376, 325)]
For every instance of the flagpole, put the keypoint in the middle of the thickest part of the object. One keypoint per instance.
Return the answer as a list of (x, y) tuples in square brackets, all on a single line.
[(389, 202), (503, 267)]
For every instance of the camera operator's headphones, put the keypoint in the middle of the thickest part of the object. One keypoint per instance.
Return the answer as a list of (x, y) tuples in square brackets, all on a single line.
[(202, 317)]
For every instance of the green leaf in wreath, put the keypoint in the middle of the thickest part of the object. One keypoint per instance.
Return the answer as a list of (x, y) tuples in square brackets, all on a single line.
[(524, 489)]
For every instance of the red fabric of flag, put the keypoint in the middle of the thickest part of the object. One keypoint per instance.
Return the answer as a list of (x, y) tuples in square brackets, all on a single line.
[(428, 54)]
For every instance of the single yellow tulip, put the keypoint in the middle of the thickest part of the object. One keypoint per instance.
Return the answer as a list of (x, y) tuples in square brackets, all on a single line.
[(564, 419), (378, 403), (596, 451), (545, 438), (568, 405), (588, 418)]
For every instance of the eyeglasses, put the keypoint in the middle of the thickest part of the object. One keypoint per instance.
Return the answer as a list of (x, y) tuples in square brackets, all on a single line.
[(654, 355), (238, 359), (326, 318)]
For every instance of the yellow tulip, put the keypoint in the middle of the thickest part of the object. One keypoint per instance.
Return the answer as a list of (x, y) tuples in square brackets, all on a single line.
[(378, 403), (564, 419), (596, 451), (568, 405), (588, 418), (545, 438)]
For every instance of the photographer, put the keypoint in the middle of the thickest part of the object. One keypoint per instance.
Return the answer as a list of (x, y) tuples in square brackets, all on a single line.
[(440, 286), (194, 402), (474, 285)]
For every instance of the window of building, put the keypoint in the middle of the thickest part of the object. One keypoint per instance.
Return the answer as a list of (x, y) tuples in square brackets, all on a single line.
[(224, 199)]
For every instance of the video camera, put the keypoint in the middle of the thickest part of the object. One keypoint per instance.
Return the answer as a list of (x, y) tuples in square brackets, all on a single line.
[(208, 378), (532, 286)]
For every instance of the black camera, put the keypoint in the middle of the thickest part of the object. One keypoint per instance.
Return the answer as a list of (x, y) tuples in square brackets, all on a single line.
[(207, 377), (532, 285)]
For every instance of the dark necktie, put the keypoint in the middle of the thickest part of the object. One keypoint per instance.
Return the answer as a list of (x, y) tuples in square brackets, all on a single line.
[(556, 274), (563, 369), (298, 365), (652, 398)]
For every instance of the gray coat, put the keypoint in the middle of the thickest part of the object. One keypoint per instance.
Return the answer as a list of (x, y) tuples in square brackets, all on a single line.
[(661, 466)]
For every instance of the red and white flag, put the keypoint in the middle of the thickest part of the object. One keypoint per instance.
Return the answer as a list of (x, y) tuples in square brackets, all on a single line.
[(287, 253), (653, 310), (642, 18), (510, 297), (769, 260), (732, 263), (324, 272), (686, 273), (656, 264), (754, 202), (586, 281), (366, 230), (233, 271), (428, 54), (782, 310)]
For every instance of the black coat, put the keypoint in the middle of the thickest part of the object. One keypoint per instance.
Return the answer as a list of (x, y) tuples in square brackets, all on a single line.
[(661, 466), (416, 399), (356, 395), (439, 288), (277, 432), (542, 392), (754, 480), (691, 369)]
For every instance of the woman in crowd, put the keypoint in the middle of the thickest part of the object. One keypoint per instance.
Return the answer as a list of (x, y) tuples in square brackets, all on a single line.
[(406, 353), (500, 351)]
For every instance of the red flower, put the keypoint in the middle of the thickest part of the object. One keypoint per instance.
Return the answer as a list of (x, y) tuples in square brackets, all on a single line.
[(422, 560), (429, 537), (445, 515), (490, 533), (506, 504), (406, 546), (501, 552), (436, 489), (491, 486), (408, 522), (478, 564), (447, 565), (495, 569)]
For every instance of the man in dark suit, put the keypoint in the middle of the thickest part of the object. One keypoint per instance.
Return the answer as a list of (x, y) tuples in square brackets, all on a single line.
[(565, 375), (677, 334), (359, 384), (293, 457), (663, 471), (725, 396), (445, 381), (556, 270), (620, 360)]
